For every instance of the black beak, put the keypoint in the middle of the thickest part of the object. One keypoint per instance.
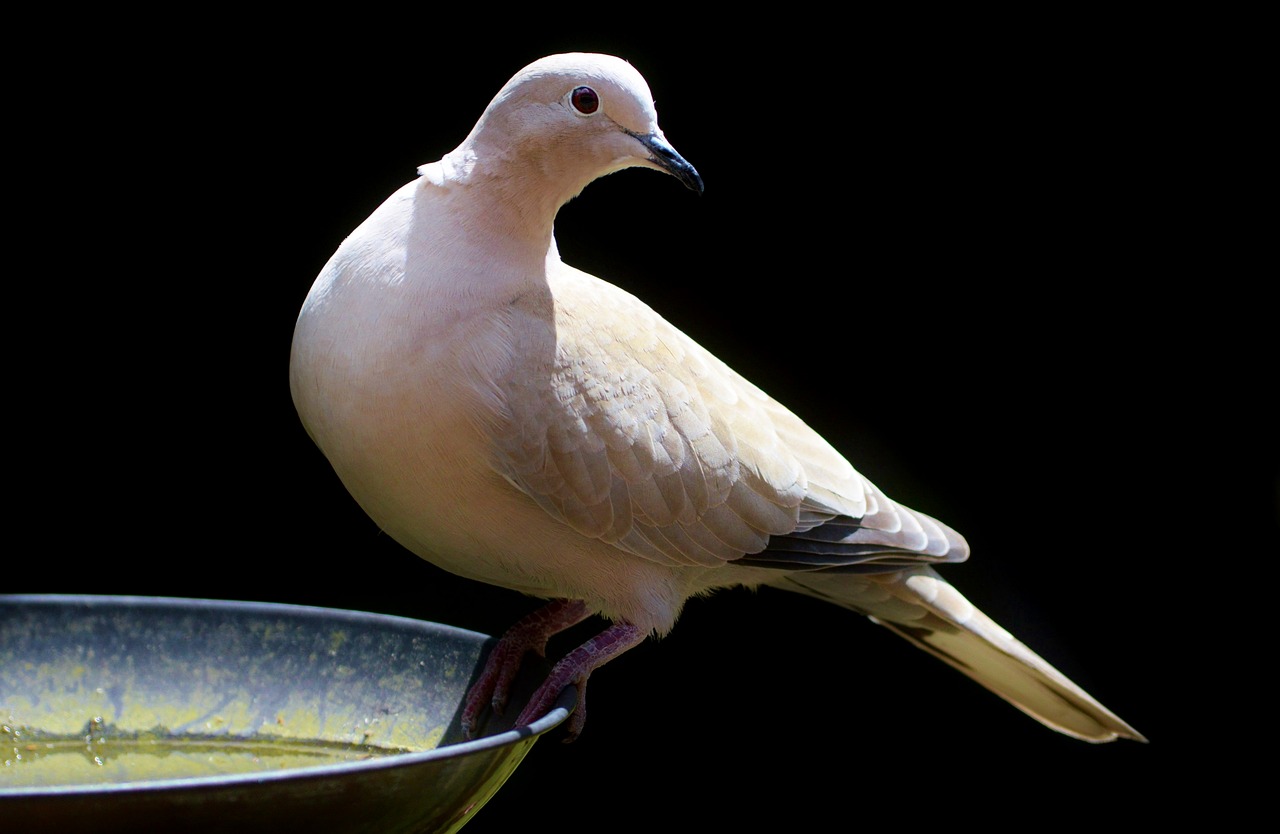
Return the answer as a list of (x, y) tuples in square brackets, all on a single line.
[(666, 158)]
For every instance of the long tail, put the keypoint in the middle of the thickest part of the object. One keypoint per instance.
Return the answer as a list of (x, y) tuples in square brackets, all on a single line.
[(922, 607)]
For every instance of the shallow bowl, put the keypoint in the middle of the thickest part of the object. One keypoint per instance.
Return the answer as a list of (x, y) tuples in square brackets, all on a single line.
[(146, 713)]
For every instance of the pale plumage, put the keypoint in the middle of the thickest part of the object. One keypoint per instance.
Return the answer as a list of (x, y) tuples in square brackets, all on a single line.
[(520, 422)]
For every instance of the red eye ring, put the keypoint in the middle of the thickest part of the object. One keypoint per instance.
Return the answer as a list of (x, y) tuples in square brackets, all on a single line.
[(584, 100)]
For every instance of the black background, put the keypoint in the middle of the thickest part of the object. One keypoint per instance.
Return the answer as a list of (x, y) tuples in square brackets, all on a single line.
[(988, 258)]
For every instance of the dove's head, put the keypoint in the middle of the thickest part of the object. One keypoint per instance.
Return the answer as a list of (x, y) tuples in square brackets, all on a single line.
[(566, 120)]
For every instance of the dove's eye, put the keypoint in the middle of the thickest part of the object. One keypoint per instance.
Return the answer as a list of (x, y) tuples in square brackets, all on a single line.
[(584, 100)]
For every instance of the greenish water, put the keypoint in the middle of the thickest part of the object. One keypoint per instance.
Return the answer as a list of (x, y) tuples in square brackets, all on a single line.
[(28, 759)]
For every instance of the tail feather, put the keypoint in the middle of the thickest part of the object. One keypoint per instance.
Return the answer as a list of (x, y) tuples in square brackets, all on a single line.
[(925, 609)]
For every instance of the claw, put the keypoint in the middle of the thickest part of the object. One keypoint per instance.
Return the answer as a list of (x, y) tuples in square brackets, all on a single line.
[(531, 635), (574, 669), (493, 686)]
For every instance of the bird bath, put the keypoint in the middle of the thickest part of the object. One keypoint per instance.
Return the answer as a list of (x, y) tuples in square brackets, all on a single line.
[(132, 713)]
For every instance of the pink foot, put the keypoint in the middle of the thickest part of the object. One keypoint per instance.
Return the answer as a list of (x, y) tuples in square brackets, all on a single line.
[(493, 687), (575, 668)]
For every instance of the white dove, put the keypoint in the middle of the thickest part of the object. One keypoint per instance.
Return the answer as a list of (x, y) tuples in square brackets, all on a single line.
[(519, 422)]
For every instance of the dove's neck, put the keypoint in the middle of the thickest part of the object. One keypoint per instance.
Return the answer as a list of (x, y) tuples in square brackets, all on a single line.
[(515, 199)]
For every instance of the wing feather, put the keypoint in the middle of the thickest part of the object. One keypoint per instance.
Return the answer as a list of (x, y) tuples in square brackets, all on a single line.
[(643, 439)]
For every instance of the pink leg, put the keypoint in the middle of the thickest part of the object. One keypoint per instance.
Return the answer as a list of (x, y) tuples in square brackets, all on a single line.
[(493, 687), (574, 668)]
